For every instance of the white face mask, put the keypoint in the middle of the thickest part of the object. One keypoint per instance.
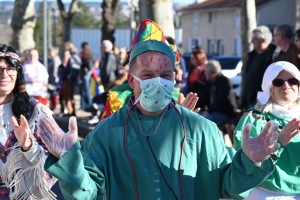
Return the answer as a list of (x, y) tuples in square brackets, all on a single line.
[(156, 93)]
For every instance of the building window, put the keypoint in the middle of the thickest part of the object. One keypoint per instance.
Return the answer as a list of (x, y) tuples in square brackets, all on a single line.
[(194, 42), (209, 17), (210, 46), (237, 18), (220, 47), (237, 45), (196, 20)]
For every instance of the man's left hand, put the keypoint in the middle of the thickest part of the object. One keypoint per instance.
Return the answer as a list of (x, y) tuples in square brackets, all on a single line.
[(189, 102), (259, 148)]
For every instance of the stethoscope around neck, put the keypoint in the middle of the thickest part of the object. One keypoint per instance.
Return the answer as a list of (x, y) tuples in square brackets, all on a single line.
[(153, 154)]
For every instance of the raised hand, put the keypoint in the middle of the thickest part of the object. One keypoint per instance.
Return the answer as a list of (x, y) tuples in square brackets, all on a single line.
[(22, 132), (57, 142), (260, 147), (189, 102), (289, 131)]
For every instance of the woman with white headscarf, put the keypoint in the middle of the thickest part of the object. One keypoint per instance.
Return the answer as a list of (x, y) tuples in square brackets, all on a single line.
[(279, 101)]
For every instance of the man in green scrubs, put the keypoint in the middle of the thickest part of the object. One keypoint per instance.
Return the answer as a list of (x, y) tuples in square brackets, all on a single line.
[(153, 148)]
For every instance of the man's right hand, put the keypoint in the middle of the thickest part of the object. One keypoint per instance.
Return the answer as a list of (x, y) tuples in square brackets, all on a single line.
[(57, 142)]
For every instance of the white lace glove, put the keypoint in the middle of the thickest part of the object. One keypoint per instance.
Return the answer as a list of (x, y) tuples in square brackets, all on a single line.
[(56, 140), (260, 148)]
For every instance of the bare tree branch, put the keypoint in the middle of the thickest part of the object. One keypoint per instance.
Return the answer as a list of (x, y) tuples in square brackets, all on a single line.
[(67, 17), (73, 7), (61, 8), (108, 14)]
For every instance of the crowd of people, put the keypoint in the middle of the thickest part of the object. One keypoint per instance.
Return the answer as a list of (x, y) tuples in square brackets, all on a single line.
[(56, 86), (158, 136)]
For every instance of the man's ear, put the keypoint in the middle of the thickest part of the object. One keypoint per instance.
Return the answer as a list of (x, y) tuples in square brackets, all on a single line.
[(130, 79)]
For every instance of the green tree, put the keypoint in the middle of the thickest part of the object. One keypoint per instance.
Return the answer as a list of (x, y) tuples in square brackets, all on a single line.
[(84, 18)]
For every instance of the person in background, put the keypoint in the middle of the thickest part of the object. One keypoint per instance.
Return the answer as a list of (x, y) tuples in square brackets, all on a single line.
[(182, 64), (196, 77), (152, 148), (25, 56), (21, 152), (68, 86), (95, 87), (283, 37), (258, 61), (279, 102), (85, 75), (123, 52), (109, 65), (196, 73), (96, 92), (116, 51), (123, 72), (180, 82), (297, 41), (53, 79), (36, 78), (219, 98)]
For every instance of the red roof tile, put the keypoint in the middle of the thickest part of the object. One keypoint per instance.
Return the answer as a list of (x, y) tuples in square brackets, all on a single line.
[(211, 4)]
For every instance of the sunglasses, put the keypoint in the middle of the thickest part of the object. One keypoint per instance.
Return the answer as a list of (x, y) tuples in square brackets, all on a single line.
[(279, 82)]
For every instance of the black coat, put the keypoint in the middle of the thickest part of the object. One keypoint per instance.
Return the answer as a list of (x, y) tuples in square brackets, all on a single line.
[(109, 69), (86, 65), (224, 99), (251, 87)]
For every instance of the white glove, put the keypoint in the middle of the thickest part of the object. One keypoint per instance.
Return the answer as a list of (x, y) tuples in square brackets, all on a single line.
[(56, 140), (260, 147)]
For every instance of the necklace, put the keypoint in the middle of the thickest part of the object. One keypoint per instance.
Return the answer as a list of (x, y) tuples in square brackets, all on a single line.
[(141, 130)]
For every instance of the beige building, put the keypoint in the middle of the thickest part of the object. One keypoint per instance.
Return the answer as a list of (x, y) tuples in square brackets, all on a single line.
[(215, 25)]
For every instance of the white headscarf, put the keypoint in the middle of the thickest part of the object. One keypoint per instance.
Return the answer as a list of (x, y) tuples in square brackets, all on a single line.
[(271, 73)]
